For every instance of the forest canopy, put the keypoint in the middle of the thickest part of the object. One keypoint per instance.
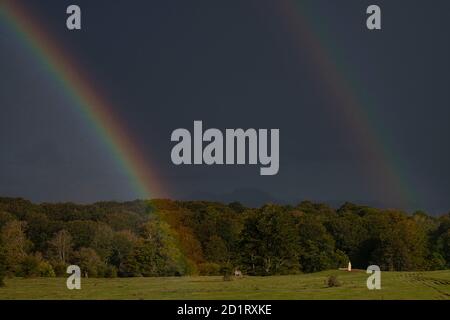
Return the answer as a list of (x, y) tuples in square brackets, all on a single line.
[(175, 238)]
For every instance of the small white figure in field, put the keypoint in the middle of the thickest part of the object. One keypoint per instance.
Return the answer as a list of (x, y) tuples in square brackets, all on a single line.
[(237, 273), (349, 267)]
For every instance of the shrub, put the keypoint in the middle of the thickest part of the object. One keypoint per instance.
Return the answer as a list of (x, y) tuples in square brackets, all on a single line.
[(46, 269), (110, 272), (227, 271), (436, 262), (30, 267), (59, 268), (191, 267), (333, 281), (227, 277), (209, 269)]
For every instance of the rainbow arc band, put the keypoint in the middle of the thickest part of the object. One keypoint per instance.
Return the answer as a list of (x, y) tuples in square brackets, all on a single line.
[(350, 104), (93, 106)]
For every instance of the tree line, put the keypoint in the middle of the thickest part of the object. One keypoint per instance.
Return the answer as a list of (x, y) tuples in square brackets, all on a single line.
[(175, 238)]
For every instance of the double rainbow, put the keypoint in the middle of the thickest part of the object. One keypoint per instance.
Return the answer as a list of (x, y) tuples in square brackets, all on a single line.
[(111, 130)]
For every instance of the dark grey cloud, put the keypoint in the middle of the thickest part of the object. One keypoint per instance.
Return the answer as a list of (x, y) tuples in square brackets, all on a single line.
[(233, 64)]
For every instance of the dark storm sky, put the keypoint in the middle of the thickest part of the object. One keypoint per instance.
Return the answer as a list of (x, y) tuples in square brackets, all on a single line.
[(234, 64)]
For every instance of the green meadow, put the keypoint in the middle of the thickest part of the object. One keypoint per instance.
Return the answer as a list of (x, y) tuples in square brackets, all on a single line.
[(433, 285)]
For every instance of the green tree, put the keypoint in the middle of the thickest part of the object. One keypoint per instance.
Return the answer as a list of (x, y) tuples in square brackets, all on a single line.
[(160, 240), (15, 245), (350, 233), (157, 253), (102, 241), (441, 239), (82, 231), (216, 250), (39, 230), (61, 246), (444, 246), (317, 247), (89, 262), (121, 247), (399, 244), (30, 266), (2, 266), (5, 217), (270, 242)]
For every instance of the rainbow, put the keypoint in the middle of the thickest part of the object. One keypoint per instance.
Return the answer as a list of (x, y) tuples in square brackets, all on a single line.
[(93, 106), (382, 163)]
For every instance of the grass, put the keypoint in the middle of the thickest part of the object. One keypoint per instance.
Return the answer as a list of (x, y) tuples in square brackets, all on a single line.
[(395, 285)]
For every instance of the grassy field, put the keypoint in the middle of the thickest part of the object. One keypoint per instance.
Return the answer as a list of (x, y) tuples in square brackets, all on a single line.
[(395, 285)]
